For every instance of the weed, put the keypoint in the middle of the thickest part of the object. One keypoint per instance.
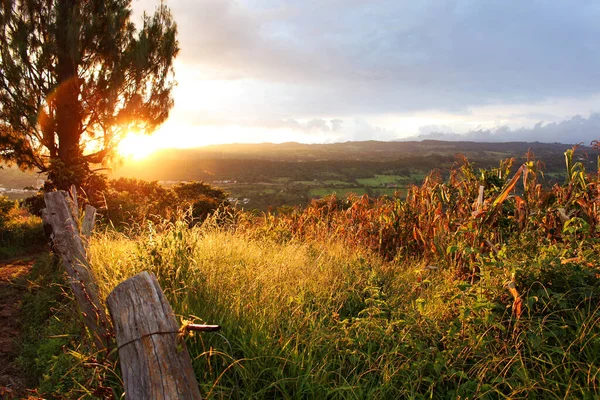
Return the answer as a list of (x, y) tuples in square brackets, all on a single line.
[(484, 285)]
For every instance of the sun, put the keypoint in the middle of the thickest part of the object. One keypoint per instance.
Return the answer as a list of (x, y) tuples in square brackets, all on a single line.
[(136, 146)]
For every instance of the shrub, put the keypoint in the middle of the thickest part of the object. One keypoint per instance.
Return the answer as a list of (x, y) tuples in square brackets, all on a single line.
[(132, 202), (20, 232)]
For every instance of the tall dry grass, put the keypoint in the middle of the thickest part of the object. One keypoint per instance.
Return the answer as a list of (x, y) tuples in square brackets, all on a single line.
[(390, 298)]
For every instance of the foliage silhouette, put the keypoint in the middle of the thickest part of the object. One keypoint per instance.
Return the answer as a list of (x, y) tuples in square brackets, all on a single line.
[(75, 78)]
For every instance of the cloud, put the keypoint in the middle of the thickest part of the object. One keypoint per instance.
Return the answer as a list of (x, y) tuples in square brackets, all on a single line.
[(353, 60), (435, 129), (312, 126), (575, 130), (413, 55), (363, 130), (336, 125), (318, 124)]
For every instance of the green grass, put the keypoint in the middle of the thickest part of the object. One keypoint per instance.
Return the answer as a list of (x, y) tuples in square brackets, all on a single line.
[(307, 183), (389, 191), (333, 182), (380, 180), (306, 319), (341, 192), (55, 357), (20, 232), (281, 180)]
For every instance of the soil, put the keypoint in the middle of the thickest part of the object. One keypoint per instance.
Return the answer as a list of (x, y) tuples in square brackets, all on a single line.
[(13, 285)]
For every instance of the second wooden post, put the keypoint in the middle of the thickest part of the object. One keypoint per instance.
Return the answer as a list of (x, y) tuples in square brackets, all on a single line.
[(154, 361)]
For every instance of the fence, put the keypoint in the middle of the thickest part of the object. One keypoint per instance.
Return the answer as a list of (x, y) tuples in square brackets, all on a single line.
[(154, 360)]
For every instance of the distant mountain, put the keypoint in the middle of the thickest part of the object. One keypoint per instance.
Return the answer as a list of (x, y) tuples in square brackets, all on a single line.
[(266, 160), (576, 129), (362, 151)]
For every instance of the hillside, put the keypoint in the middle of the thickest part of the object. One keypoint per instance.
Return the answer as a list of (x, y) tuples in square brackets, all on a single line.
[(266, 175), (361, 151), (475, 284), (270, 175)]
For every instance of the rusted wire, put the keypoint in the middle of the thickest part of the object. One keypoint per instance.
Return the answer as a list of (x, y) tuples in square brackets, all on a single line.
[(203, 328), (189, 327)]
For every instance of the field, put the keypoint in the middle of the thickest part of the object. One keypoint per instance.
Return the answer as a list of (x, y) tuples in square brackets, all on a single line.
[(342, 300), (478, 283), (309, 320), (291, 174)]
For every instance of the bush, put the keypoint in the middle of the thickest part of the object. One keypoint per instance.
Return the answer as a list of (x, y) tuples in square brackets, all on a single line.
[(20, 232), (6, 206), (133, 202)]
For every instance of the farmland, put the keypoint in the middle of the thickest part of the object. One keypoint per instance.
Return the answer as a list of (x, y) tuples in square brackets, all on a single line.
[(290, 174), (477, 283)]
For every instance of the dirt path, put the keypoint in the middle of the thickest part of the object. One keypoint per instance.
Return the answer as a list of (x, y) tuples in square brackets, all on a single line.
[(12, 289)]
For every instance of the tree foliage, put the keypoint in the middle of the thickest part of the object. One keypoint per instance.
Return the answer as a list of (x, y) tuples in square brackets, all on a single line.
[(129, 201), (76, 77)]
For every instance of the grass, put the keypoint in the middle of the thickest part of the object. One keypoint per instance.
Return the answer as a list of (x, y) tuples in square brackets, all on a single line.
[(389, 191), (307, 183), (282, 305), (381, 180), (442, 294), (20, 232), (305, 319), (281, 180), (342, 192), (55, 357), (334, 182)]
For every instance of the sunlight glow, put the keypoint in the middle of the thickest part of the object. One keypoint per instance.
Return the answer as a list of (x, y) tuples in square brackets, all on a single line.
[(137, 146)]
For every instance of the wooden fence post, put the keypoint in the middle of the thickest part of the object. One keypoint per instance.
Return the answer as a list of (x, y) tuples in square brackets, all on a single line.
[(154, 361), (67, 243), (89, 219)]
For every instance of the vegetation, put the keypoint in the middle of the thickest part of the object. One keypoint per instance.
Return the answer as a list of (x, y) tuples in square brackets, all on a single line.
[(471, 281), (53, 357), (75, 78), (484, 285), (128, 203), (264, 177), (132, 202), (291, 174), (20, 232)]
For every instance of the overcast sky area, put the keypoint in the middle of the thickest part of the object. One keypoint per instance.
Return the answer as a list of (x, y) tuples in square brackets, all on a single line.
[(332, 70)]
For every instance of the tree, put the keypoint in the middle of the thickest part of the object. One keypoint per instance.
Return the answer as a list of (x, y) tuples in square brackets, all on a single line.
[(203, 198), (76, 77)]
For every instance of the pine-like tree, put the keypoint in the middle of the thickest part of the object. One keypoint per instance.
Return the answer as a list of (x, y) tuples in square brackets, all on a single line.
[(75, 77)]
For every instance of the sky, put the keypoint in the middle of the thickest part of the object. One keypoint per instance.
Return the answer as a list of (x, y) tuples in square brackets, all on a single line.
[(320, 71)]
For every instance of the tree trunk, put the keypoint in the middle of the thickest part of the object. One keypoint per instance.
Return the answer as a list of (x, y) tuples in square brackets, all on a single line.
[(66, 98)]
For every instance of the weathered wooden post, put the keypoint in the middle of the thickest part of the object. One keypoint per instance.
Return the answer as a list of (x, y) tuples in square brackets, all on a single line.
[(89, 219), (154, 361), (68, 244)]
